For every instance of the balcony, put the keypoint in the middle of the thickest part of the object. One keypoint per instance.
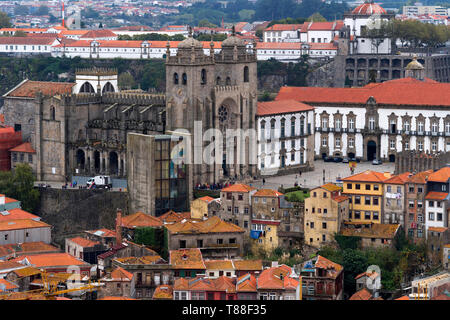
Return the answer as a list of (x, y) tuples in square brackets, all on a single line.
[(290, 234)]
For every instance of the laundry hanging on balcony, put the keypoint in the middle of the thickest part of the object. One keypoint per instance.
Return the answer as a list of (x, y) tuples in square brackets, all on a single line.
[(255, 234)]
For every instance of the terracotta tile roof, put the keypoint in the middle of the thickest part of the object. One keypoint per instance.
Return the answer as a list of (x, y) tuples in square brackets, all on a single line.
[(278, 46), (434, 195), (322, 46), (340, 198), (368, 8), (17, 214), (332, 267), (26, 272), (284, 27), (207, 199), (163, 291), (24, 147), (441, 175), (248, 265), (51, 260), (238, 188), (211, 225), (140, 260), (362, 294), (371, 275), (219, 264), (226, 284), (85, 243), (420, 177), (437, 229), (246, 283), (376, 230), (369, 176), (322, 25), (37, 41), (172, 216), (22, 224), (187, 259), (222, 283), (112, 251), (399, 178), (267, 193), (140, 219), (120, 274), (4, 265), (331, 187), (403, 298), (29, 89), (103, 233), (8, 285), (411, 92), (271, 278), (95, 34), (181, 284), (26, 247)]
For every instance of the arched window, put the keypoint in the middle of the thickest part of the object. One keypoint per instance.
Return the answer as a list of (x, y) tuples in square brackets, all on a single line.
[(175, 78), (184, 78), (228, 81), (87, 88), (203, 76), (245, 74), (52, 113), (108, 87), (218, 81)]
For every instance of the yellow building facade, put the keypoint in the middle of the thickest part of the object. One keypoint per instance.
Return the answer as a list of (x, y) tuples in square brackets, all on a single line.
[(267, 234), (324, 212), (365, 193)]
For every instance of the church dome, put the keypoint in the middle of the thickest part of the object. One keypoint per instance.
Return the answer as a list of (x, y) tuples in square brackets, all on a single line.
[(414, 65), (189, 43), (368, 8), (233, 41)]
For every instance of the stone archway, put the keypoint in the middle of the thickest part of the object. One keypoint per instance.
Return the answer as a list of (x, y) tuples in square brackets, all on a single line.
[(87, 88), (113, 163), (108, 87), (97, 161), (81, 159), (392, 158)]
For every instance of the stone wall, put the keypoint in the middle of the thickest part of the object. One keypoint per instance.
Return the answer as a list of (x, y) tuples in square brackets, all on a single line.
[(71, 212)]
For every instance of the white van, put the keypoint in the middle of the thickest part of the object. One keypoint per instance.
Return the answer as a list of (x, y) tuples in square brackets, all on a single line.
[(100, 182)]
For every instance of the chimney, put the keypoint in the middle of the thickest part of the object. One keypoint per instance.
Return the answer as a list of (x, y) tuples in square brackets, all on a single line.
[(119, 227)]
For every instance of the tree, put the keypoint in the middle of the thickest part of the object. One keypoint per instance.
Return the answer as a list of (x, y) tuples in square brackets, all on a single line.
[(316, 17), (246, 14), (5, 21), (19, 185), (126, 81), (20, 33), (215, 37), (206, 23)]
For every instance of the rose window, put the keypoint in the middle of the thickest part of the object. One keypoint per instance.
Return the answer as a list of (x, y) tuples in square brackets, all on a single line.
[(223, 114)]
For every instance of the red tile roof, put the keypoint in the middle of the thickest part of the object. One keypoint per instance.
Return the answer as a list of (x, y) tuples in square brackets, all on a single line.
[(398, 179), (275, 278), (103, 233), (369, 176), (163, 292), (8, 285), (85, 243), (267, 193), (403, 298), (284, 27), (26, 247), (441, 175), (405, 92), (42, 41), (278, 45), (95, 34), (140, 219), (120, 274), (17, 214), (24, 147), (51, 260), (434, 195), (322, 46), (211, 225), (362, 294), (368, 8), (238, 187), (376, 230), (5, 265), (206, 199), (437, 229), (246, 283), (332, 267), (281, 107), (22, 224), (248, 265), (187, 259), (420, 178), (172, 216), (28, 88)]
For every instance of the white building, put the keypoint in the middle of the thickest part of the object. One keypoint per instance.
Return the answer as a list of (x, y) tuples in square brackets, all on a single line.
[(24, 230), (437, 199), (320, 32), (285, 136), (378, 120), (282, 33), (419, 10), (27, 45)]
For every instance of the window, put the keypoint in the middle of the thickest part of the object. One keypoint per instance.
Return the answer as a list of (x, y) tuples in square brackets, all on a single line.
[(375, 201), (375, 215), (420, 145), (357, 215), (175, 78), (184, 79), (14, 156), (376, 187), (392, 144), (219, 241), (236, 209), (357, 200), (351, 124), (419, 189), (349, 185), (182, 244), (411, 203), (323, 238), (246, 77), (338, 123), (232, 240), (199, 243), (439, 216), (372, 123), (324, 141), (357, 186), (203, 75), (311, 225), (367, 215), (292, 127), (338, 142), (229, 196), (434, 127), (240, 197), (420, 127), (367, 186), (406, 126), (431, 216), (30, 158), (324, 123), (431, 204), (351, 143), (324, 225), (411, 188)]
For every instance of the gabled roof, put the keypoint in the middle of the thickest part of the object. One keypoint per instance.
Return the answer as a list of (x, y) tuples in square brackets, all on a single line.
[(362, 294), (211, 225), (95, 34), (219, 264), (120, 274), (42, 41), (17, 214), (399, 178), (284, 27), (28, 89), (163, 291), (246, 283), (281, 107), (223, 283), (140, 219), (369, 176), (267, 193), (331, 187), (172, 216), (24, 147), (332, 267), (248, 265), (4, 265), (26, 272), (371, 275), (187, 259), (420, 177), (22, 224), (238, 187), (8, 285), (26, 247), (274, 278), (207, 199), (441, 175), (103, 233), (51, 260), (437, 229), (83, 242), (155, 259)]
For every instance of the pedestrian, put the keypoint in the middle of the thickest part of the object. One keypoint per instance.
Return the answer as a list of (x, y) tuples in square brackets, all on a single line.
[(264, 181)]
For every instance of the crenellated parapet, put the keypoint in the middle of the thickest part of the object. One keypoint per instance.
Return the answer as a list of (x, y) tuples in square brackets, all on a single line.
[(134, 98)]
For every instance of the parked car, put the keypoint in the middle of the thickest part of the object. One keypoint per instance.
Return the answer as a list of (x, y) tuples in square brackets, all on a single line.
[(345, 160), (358, 160), (328, 159), (376, 161), (337, 159)]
